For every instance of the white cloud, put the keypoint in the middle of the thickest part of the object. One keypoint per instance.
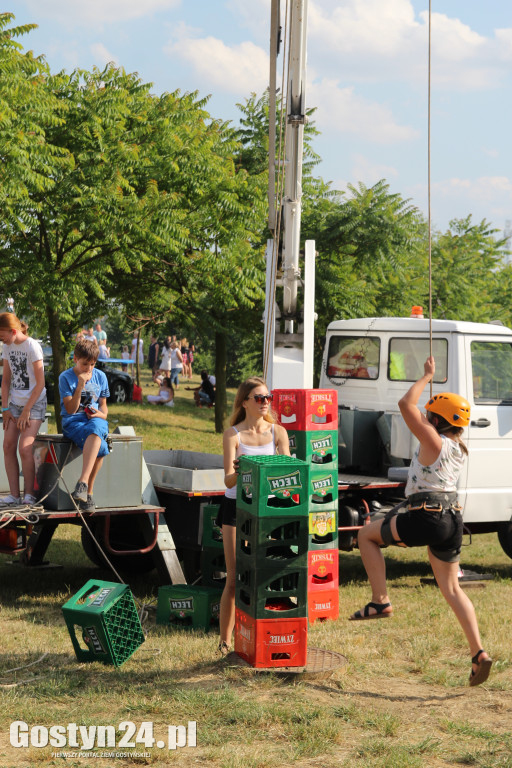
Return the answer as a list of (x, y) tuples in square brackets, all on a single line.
[(486, 189), (102, 55), (384, 41), (342, 110), (239, 69), (98, 12), (363, 169)]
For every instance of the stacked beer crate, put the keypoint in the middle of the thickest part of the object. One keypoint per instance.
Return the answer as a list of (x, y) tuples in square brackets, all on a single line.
[(311, 418), (271, 561)]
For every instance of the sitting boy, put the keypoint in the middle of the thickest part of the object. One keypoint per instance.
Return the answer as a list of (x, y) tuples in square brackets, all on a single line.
[(83, 393), (205, 393)]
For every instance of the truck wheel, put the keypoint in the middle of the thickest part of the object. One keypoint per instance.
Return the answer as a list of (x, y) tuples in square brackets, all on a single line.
[(119, 394), (505, 537), (124, 534)]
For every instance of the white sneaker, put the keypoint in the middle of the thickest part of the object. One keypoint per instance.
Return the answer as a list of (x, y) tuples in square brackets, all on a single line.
[(10, 501), (29, 499)]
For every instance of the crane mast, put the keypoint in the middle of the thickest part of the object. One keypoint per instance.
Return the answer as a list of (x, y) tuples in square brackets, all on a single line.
[(289, 329)]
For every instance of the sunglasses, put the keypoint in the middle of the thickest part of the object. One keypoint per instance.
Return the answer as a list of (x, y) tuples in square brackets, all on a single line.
[(261, 398)]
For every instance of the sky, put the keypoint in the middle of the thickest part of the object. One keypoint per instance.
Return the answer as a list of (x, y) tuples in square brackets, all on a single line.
[(367, 78)]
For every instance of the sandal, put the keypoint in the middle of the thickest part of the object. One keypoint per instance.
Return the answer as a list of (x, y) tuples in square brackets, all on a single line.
[(481, 674), (224, 648), (365, 615)]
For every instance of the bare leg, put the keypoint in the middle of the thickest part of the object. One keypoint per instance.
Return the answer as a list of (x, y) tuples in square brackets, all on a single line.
[(92, 477), (12, 467), (26, 443), (90, 454), (227, 601), (369, 540), (447, 579)]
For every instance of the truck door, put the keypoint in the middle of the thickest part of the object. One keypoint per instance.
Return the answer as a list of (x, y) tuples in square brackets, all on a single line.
[(489, 436)]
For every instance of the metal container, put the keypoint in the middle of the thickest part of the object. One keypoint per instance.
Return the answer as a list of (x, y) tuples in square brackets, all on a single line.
[(186, 470), (4, 485), (119, 481)]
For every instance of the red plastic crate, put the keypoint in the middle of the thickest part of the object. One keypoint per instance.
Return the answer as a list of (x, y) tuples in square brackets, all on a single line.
[(271, 642), (323, 570), (306, 409), (323, 605)]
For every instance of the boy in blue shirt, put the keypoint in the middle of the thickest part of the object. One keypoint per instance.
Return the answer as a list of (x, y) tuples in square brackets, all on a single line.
[(83, 395)]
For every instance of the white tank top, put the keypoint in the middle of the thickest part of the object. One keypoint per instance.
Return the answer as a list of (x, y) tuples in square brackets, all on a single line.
[(440, 476), (242, 449)]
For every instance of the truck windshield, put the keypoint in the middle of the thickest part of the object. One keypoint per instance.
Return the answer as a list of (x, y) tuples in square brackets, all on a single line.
[(407, 356), (353, 357), (492, 371)]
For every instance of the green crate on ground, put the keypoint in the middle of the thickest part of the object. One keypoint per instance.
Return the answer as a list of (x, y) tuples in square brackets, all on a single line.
[(188, 606), (105, 614), (318, 447), (271, 486), (213, 567), (265, 593), (212, 534)]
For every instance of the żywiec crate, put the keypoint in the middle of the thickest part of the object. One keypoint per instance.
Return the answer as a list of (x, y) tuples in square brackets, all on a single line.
[(106, 615), (266, 643), (273, 486), (188, 606), (323, 605), (323, 570)]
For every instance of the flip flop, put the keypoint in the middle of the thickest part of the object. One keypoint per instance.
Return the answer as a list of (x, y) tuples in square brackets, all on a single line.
[(483, 669), (378, 607)]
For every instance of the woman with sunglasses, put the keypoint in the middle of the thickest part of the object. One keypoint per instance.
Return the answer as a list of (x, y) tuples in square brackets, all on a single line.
[(253, 432)]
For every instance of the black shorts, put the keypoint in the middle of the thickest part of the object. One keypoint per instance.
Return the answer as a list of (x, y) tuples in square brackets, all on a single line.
[(227, 512), (440, 530)]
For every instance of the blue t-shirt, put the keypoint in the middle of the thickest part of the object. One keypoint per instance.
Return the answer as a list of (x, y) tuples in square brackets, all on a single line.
[(96, 387)]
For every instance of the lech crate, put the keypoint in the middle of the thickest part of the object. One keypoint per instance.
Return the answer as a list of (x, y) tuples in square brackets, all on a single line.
[(323, 528), (272, 486), (272, 594), (105, 614), (319, 448), (188, 606), (212, 534)]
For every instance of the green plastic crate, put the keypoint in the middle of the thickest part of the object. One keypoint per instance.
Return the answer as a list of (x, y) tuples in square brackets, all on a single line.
[(323, 489), (106, 615), (270, 594), (271, 542), (273, 486), (212, 534), (188, 606), (318, 447), (213, 567)]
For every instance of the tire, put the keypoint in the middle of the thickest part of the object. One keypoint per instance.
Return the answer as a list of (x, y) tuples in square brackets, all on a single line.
[(505, 537), (124, 533), (119, 393)]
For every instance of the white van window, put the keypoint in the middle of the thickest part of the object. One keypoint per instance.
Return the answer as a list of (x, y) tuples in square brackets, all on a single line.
[(353, 357), (407, 357), (492, 372)]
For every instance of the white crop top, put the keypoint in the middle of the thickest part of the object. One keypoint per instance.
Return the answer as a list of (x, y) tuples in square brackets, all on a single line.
[(242, 449), (441, 475)]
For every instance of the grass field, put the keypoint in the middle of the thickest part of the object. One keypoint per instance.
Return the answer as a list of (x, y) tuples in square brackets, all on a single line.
[(402, 700)]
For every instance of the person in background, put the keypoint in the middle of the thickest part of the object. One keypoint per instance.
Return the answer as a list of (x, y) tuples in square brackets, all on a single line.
[(104, 351), (100, 334), (165, 395), (89, 336), (431, 516), (205, 393), (184, 354), (253, 432), (125, 355), (134, 349), (191, 353), (153, 355), (176, 363), (23, 405)]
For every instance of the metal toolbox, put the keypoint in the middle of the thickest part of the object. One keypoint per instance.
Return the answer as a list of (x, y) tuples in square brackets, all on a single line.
[(186, 470)]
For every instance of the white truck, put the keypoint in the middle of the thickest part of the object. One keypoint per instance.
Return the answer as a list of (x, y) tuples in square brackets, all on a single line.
[(372, 362)]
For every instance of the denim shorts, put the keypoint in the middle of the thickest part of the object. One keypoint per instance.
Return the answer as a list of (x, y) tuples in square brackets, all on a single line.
[(37, 412), (204, 398)]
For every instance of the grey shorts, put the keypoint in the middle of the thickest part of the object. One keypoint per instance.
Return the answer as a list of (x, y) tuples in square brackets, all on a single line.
[(38, 410)]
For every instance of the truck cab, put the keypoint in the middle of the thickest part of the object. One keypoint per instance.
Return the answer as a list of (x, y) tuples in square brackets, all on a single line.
[(372, 363)]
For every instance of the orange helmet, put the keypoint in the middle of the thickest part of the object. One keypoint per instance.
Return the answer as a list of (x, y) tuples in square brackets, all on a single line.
[(454, 408)]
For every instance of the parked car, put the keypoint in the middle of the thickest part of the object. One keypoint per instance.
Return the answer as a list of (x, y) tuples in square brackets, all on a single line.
[(120, 383)]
